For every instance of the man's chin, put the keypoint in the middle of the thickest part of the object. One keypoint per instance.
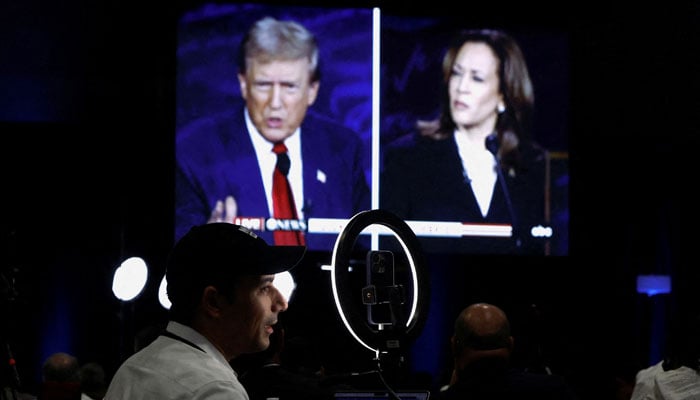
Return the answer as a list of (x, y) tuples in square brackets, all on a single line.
[(264, 343), (274, 135)]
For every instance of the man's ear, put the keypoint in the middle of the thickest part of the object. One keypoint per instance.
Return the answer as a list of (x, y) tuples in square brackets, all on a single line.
[(313, 91), (211, 301), (454, 345), (243, 84)]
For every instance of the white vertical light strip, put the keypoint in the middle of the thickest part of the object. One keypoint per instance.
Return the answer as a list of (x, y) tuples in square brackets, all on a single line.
[(376, 36)]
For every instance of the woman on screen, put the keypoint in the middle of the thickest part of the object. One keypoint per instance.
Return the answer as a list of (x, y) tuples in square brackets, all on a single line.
[(476, 163)]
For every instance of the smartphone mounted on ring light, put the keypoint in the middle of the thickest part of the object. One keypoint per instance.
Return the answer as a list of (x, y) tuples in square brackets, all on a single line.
[(382, 293)]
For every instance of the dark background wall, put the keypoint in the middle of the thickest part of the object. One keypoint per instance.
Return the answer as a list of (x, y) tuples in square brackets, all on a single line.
[(86, 153)]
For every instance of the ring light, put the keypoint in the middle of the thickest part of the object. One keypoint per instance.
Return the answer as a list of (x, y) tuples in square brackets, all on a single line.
[(356, 324)]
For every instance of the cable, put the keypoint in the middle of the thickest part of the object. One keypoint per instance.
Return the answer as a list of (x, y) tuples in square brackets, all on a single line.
[(389, 390)]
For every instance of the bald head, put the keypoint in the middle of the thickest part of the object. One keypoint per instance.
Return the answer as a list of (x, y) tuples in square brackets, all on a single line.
[(482, 327), (61, 367)]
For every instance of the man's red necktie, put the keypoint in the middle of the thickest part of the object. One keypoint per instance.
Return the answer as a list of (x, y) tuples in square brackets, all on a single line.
[(282, 199)]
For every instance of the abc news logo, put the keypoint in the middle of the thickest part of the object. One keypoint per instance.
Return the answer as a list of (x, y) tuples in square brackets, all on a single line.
[(271, 224)]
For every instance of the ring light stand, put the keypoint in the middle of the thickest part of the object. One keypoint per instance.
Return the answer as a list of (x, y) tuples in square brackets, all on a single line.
[(385, 340)]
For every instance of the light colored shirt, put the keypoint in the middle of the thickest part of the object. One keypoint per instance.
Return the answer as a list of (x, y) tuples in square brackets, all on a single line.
[(172, 369), (480, 166), (267, 160), (654, 383)]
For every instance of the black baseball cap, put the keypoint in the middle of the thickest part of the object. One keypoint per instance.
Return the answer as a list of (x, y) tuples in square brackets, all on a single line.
[(228, 249)]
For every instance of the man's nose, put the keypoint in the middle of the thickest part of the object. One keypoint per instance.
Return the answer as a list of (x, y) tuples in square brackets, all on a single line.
[(276, 97)]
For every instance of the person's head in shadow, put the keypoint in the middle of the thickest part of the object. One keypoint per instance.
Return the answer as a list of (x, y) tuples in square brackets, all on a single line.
[(93, 380), (482, 347), (60, 375), (481, 335)]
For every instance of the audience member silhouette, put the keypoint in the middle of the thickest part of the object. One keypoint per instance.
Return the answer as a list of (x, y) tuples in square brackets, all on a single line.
[(93, 381), (677, 375), (482, 345), (60, 378)]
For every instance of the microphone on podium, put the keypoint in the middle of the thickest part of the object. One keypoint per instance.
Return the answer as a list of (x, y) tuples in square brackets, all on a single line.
[(492, 145)]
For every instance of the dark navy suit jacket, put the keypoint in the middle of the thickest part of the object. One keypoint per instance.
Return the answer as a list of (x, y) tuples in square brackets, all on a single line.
[(215, 158), (423, 179)]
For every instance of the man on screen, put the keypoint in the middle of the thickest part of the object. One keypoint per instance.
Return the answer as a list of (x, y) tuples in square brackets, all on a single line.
[(226, 166)]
